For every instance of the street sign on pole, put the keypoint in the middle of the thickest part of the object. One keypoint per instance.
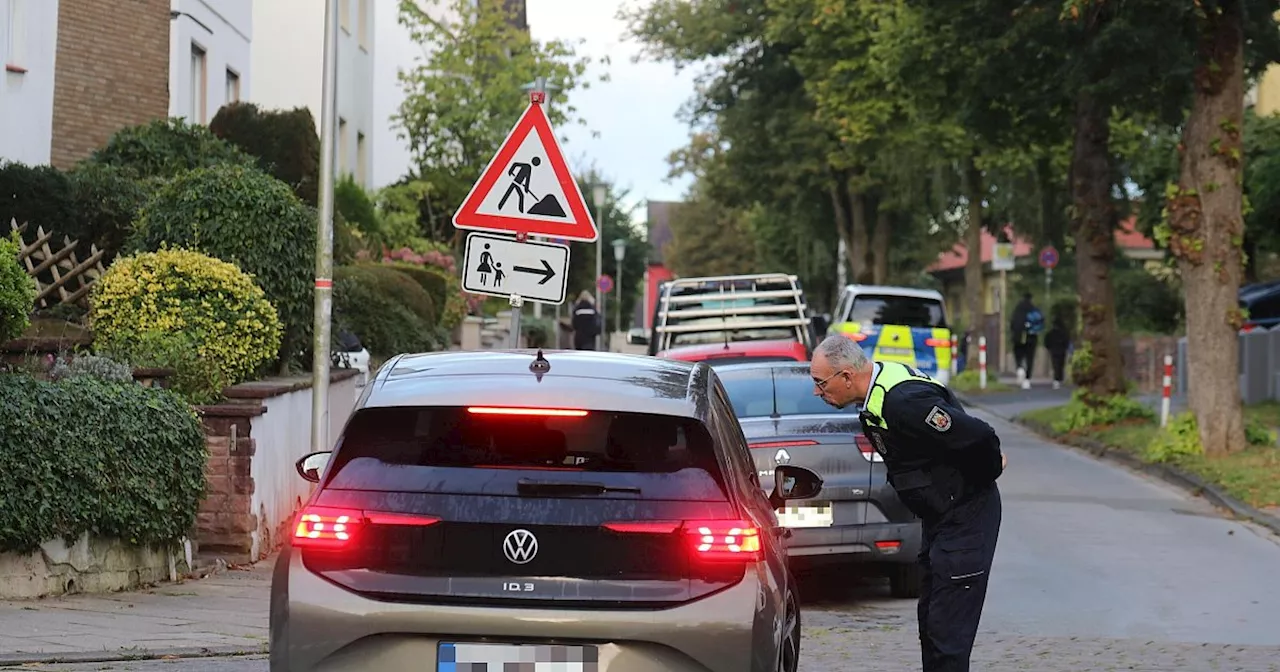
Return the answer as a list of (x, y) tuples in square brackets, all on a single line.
[(1002, 258), (1048, 257), (604, 283), (527, 188), (503, 266)]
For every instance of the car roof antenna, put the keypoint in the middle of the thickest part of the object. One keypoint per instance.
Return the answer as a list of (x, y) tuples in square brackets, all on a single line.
[(540, 365)]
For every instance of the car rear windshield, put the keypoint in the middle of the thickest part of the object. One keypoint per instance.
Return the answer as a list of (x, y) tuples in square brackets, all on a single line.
[(664, 456), (907, 311), (755, 392)]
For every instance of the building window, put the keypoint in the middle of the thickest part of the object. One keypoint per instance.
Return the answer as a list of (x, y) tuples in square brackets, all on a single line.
[(361, 156), (362, 24), (342, 147), (344, 15), (16, 59), (199, 84), (233, 86)]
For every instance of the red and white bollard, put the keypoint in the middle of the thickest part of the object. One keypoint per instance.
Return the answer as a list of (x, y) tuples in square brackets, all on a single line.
[(955, 356), (1166, 394), (982, 362)]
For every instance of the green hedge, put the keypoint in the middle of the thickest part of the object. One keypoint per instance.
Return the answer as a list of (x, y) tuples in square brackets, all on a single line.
[(284, 142), (17, 290), (165, 148), (388, 310), (84, 455), (242, 215), (436, 285)]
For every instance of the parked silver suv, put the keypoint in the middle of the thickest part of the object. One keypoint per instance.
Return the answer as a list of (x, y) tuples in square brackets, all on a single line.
[(601, 511)]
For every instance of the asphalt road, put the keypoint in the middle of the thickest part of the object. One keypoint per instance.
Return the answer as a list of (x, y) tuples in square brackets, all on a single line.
[(1097, 569)]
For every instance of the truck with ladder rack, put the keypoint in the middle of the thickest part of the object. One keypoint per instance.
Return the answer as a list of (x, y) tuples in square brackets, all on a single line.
[(732, 318)]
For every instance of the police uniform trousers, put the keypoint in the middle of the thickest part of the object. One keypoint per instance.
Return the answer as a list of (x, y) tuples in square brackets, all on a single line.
[(956, 560)]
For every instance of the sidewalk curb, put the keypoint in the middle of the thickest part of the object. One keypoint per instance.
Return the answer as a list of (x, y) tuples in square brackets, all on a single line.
[(1191, 483), (15, 659)]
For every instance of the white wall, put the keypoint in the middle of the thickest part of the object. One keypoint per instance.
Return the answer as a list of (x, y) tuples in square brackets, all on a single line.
[(280, 439), (288, 63), (26, 98), (224, 30)]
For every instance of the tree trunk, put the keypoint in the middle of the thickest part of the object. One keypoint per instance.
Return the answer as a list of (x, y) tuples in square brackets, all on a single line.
[(880, 247), (1050, 213), (974, 191), (844, 227), (1207, 228), (858, 246), (1101, 372)]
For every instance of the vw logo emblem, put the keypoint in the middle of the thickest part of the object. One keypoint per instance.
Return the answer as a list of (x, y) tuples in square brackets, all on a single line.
[(520, 546), (782, 456)]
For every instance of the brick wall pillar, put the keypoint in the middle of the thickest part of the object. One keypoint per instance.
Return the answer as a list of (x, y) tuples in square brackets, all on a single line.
[(225, 523)]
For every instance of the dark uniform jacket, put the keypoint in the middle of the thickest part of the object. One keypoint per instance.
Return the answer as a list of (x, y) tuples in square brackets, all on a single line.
[(936, 454), (586, 324)]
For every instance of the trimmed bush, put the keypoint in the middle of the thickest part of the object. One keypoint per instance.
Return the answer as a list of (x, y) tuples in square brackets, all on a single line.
[(116, 460), (17, 290), (198, 379), (386, 309), (107, 201), (39, 195), (231, 324), (246, 217), (165, 148), (284, 142), (436, 286)]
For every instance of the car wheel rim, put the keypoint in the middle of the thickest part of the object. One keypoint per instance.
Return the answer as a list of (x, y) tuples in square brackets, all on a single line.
[(789, 656)]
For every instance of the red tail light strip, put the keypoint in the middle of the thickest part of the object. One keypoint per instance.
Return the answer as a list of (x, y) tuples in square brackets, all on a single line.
[(712, 540), (544, 412), (782, 444), (325, 527)]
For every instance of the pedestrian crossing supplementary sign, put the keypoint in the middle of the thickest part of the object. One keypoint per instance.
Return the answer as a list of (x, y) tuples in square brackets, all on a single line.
[(503, 266), (527, 188)]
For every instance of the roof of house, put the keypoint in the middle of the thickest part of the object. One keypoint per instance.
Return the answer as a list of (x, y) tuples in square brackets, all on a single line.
[(1127, 238)]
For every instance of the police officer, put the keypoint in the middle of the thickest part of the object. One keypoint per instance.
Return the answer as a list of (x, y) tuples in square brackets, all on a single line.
[(943, 463)]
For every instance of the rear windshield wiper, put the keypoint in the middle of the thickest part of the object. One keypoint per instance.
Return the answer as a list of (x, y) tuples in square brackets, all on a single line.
[(528, 487)]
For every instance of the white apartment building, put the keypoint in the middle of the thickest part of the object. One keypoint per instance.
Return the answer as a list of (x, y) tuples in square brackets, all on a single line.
[(288, 62), (28, 45), (209, 43)]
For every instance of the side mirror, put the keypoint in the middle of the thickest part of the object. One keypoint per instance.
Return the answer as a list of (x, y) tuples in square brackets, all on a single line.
[(791, 482), (311, 466), (821, 323)]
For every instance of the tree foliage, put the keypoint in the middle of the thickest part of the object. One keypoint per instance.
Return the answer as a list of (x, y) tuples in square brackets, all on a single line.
[(466, 92)]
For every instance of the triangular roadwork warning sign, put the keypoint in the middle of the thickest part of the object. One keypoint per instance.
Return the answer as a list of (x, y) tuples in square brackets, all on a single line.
[(527, 187)]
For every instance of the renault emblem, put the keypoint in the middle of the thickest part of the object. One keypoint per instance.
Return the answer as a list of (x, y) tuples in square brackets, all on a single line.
[(520, 546), (782, 456)]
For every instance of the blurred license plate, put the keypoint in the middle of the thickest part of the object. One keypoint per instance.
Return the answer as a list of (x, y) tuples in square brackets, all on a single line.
[(806, 516), (896, 352), (484, 657)]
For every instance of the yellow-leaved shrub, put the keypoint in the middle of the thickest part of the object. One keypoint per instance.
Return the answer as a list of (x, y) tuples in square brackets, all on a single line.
[(216, 311)]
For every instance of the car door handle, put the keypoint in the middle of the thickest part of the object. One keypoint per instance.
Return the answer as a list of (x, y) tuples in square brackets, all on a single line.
[(784, 532)]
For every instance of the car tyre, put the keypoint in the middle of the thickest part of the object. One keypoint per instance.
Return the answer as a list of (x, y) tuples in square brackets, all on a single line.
[(905, 580), (789, 647)]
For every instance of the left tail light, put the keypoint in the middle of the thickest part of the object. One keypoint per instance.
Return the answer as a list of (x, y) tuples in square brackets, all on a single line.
[(868, 451), (337, 528)]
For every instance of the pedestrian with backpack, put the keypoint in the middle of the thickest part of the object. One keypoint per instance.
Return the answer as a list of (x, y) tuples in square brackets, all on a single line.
[(1026, 326)]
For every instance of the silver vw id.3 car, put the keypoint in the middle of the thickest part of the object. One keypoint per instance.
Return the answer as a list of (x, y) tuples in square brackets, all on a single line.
[(566, 512)]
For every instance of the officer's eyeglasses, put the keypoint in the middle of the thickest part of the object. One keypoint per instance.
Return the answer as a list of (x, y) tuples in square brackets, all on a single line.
[(822, 384)]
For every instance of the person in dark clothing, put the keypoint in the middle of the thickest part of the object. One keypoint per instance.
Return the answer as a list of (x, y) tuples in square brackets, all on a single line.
[(943, 463), (1025, 327), (1057, 342), (586, 322)]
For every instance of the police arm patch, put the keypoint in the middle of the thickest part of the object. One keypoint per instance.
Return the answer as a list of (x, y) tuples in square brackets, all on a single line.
[(938, 419)]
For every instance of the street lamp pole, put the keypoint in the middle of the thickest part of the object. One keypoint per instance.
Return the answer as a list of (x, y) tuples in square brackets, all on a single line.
[(324, 237), (599, 193), (619, 253)]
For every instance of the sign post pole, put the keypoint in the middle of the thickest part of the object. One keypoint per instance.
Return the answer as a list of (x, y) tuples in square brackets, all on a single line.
[(517, 308), (324, 239)]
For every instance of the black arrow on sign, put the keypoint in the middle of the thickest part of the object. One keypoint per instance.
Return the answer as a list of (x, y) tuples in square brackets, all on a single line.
[(546, 271)]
